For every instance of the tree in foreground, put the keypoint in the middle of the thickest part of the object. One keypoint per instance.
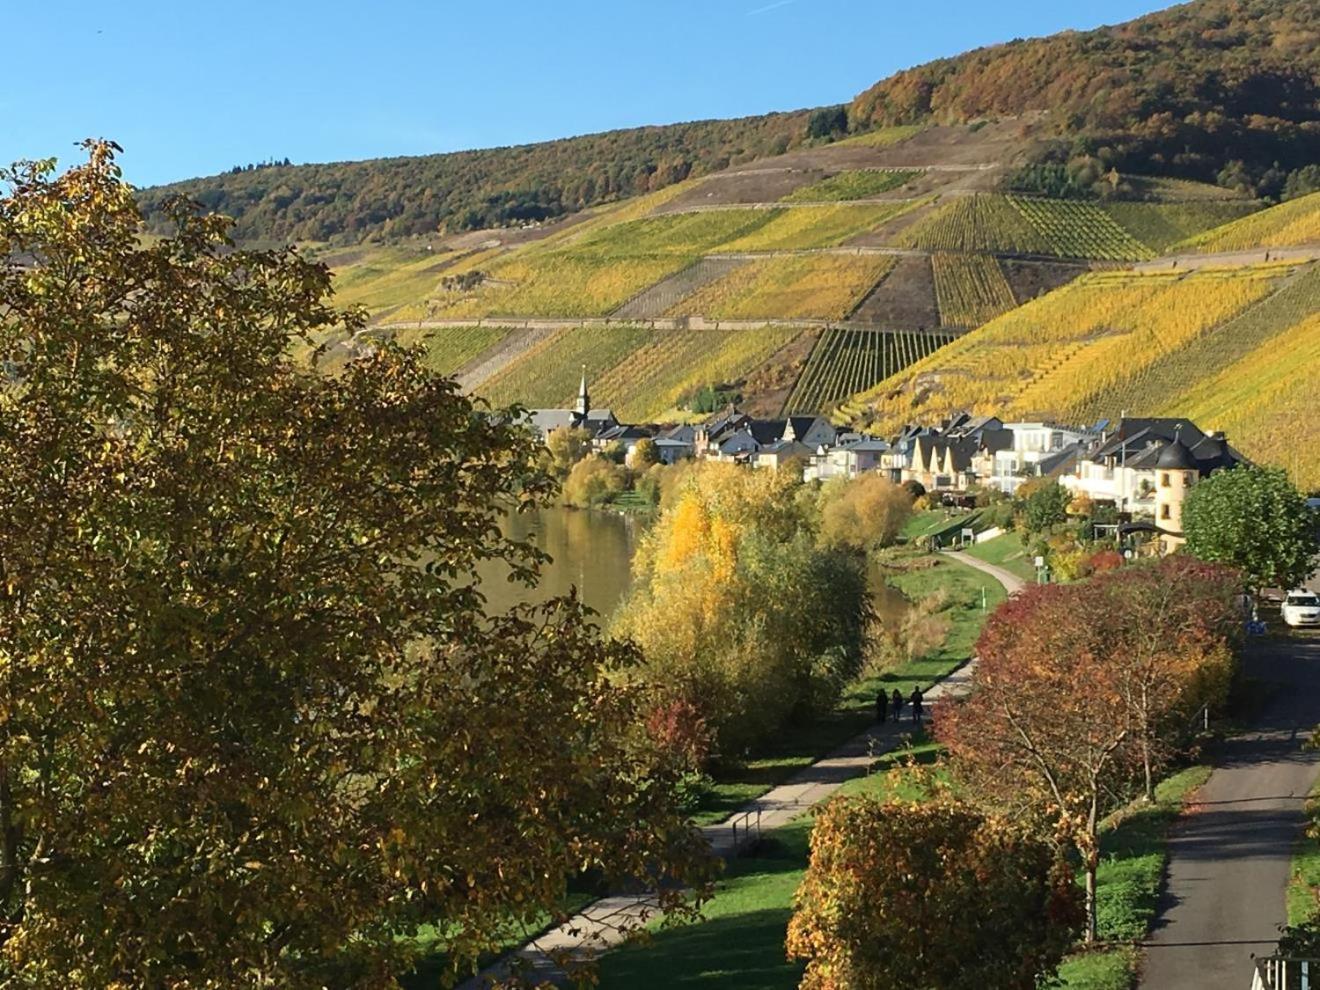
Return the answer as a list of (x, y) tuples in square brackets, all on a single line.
[(937, 895), (1256, 520), (255, 727), (1070, 695)]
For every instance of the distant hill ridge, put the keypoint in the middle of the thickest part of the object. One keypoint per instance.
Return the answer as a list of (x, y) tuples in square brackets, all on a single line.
[(1217, 90)]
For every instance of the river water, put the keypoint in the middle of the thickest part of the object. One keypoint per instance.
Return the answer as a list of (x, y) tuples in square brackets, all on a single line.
[(593, 552)]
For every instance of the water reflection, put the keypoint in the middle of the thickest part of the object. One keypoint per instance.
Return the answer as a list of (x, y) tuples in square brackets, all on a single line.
[(591, 551)]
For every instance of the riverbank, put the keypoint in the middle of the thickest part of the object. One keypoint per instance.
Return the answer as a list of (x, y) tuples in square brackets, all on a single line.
[(970, 596)]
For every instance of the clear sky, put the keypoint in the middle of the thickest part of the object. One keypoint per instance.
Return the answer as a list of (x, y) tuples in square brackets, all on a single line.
[(193, 87)]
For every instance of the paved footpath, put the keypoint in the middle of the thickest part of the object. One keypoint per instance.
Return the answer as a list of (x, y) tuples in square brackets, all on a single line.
[(1229, 857), (596, 928)]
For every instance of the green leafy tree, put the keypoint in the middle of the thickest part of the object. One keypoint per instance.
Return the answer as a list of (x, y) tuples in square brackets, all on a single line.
[(255, 727), (887, 898), (1256, 520), (1043, 506), (594, 481)]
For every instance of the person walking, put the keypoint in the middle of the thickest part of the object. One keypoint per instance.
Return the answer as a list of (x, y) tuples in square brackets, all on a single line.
[(896, 701), (881, 705), (916, 701)]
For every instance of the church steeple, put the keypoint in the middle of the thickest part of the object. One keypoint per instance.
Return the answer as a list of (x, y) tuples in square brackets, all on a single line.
[(583, 400)]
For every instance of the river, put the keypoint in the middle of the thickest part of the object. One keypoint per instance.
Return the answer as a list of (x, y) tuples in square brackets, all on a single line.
[(593, 552)]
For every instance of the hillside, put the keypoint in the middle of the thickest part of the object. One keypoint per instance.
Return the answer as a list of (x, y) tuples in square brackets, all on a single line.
[(385, 198), (1186, 91), (1217, 90)]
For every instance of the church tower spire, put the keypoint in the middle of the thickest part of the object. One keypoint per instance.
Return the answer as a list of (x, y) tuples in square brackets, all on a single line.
[(584, 399)]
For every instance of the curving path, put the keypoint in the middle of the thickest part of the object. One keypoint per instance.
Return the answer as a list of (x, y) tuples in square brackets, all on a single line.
[(596, 928), (1229, 858)]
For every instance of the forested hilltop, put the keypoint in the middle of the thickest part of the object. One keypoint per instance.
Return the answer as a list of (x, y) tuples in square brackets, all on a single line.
[(1223, 91), (383, 198), (1216, 90)]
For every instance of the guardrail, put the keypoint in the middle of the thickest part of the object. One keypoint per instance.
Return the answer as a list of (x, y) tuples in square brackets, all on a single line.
[(1279, 973), (750, 822)]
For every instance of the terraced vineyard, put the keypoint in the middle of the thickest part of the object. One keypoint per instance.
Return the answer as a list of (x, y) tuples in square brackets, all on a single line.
[(548, 375), (1079, 230), (1163, 383), (1063, 353), (979, 223), (856, 184), (805, 227), (450, 348), (647, 385), (971, 289), (665, 296), (1290, 224), (1160, 226), (848, 361), (817, 286)]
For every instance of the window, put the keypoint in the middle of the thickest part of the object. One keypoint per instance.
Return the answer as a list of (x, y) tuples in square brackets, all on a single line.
[(1164, 480), (1189, 479), (1164, 512)]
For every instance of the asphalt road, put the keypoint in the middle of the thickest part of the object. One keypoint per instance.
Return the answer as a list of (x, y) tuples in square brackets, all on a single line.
[(1229, 857)]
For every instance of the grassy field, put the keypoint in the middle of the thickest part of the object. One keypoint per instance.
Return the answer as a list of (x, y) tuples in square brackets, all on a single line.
[(1289, 224), (971, 289), (847, 361), (883, 137), (806, 227), (820, 286), (857, 184), (1005, 551), (1069, 351)]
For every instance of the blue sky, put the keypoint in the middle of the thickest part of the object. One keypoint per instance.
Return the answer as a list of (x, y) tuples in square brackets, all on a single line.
[(192, 87)]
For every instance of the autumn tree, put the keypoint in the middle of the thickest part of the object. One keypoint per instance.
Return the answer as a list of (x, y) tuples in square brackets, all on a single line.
[(255, 726), (1169, 630), (739, 611), (1256, 520), (865, 513), (933, 894), (566, 446), (1044, 733), (593, 481)]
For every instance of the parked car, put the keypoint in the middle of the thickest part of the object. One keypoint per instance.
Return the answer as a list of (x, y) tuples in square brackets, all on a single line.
[(1301, 608)]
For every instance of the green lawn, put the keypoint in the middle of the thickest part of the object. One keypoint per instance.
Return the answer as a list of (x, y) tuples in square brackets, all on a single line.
[(1007, 552), (800, 746), (932, 522), (741, 945)]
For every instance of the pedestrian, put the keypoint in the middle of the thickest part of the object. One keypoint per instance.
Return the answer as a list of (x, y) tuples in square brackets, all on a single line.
[(916, 700), (896, 701), (881, 703)]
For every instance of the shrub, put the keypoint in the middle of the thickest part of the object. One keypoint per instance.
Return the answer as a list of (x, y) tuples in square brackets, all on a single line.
[(887, 896)]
